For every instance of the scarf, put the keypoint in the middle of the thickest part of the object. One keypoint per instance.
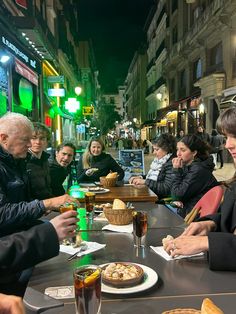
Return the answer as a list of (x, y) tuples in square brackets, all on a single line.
[(156, 166)]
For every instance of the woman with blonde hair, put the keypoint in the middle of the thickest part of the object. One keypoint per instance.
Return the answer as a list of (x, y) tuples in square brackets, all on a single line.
[(95, 162)]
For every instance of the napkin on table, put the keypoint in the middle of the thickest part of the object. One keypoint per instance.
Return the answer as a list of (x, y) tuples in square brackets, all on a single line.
[(91, 247), (160, 251), (116, 228)]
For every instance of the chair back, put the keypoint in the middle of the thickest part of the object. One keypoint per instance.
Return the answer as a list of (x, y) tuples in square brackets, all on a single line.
[(207, 205)]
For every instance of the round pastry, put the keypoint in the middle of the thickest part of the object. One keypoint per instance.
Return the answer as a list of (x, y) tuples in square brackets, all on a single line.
[(122, 275)]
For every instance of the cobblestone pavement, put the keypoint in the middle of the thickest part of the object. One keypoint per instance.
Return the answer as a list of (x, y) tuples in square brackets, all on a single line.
[(222, 174)]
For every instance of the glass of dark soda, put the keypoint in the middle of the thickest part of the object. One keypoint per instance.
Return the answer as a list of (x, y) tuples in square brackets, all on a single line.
[(139, 228)]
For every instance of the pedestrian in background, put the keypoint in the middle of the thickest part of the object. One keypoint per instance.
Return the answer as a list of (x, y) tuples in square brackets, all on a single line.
[(216, 143), (202, 134)]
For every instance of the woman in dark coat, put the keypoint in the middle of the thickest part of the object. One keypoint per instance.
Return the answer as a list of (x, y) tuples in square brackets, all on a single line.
[(215, 234), (192, 173), (95, 163), (159, 177)]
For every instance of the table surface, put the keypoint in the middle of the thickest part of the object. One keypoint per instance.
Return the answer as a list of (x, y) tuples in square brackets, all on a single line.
[(128, 193), (181, 283)]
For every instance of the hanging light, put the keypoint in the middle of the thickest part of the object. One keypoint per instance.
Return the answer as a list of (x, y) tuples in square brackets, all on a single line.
[(4, 58)]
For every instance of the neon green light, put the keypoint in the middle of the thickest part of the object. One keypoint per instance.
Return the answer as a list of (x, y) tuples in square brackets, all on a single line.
[(72, 105)]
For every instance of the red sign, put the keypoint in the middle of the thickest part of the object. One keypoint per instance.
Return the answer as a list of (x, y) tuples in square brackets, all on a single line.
[(22, 3), (25, 71)]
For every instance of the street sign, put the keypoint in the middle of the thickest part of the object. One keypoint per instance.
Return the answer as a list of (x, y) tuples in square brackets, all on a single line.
[(56, 92), (56, 79), (88, 110)]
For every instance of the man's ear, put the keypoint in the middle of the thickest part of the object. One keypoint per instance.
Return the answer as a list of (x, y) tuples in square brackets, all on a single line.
[(3, 137)]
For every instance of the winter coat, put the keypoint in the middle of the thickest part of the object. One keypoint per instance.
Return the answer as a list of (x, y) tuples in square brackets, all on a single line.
[(17, 212), (162, 186), (39, 176), (104, 163), (19, 251), (191, 182), (222, 242), (58, 175)]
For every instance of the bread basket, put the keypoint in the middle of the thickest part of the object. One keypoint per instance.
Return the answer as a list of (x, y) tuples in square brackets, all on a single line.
[(108, 182), (118, 216)]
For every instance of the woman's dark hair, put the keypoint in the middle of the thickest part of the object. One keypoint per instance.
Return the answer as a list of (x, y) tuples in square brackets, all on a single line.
[(214, 132), (194, 143), (167, 142), (226, 123)]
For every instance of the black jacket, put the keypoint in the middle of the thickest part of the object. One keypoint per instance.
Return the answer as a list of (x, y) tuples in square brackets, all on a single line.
[(39, 176), (58, 175), (222, 242), (191, 182), (17, 212), (162, 186), (104, 163), (25, 249)]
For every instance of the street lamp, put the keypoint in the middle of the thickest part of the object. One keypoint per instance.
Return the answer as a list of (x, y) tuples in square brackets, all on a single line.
[(159, 96), (78, 90)]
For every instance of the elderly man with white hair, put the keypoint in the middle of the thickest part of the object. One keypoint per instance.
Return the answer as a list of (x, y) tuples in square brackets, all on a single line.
[(17, 210)]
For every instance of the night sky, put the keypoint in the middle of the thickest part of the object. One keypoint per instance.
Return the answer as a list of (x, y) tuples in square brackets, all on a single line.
[(116, 30)]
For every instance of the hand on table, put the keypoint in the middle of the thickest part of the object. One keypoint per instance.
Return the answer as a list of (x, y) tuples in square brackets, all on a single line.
[(65, 224), (137, 180), (199, 228), (56, 202), (89, 172), (187, 245), (10, 304)]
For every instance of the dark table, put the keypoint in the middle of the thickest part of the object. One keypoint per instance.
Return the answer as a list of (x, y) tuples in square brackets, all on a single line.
[(181, 283)]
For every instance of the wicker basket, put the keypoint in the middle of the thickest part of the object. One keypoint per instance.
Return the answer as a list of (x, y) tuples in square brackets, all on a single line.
[(107, 182), (118, 216)]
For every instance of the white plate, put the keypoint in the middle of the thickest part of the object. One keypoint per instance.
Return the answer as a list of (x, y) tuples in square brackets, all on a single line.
[(96, 192), (150, 279)]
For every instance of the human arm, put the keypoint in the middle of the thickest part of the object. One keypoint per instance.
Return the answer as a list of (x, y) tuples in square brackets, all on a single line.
[(114, 167), (10, 304), (137, 181), (25, 249)]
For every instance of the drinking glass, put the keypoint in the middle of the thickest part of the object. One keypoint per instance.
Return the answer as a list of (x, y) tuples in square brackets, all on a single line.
[(89, 203), (139, 228), (66, 207), (87, 283)]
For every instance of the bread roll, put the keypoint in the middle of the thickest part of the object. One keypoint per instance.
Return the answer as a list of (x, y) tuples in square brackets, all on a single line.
[(166, 239), (112, 175), (208, 307), (118, 204)]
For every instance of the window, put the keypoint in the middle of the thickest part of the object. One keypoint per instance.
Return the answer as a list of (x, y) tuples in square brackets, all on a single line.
[(183, 79), (216, 55), (174, 35), (174, 5), (197, 69)]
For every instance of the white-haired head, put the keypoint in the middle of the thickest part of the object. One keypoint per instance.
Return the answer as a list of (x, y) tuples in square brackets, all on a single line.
[(11, 122)]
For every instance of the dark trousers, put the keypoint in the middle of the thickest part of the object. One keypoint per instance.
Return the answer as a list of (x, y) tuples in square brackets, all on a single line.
[(220, 157)]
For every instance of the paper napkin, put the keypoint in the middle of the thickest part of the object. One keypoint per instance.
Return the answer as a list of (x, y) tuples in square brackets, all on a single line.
[(92, 247), (116, 228), (160, 251)]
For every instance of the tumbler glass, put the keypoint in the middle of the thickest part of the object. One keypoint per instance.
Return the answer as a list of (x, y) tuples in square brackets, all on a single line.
[(87, 283), (90, 203), (139, 228)]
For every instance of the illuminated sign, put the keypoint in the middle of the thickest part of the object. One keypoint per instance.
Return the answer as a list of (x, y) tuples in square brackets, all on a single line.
[(56, 79), (72, 105), (88, 110), (56, 92), (18, 52)]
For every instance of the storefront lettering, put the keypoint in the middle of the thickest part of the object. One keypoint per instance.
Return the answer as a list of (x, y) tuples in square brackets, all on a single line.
[(17, 52)]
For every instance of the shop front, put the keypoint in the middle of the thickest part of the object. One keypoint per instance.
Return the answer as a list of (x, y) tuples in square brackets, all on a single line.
[(19, 78)]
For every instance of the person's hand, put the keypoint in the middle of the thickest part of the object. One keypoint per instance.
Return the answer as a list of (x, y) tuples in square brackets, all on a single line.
[(65, 224), (187, 245), (131, 179), (56, 202), (137, 181), (89, 172), (177, 162), (199, 228), (177, 204), (10, 304)]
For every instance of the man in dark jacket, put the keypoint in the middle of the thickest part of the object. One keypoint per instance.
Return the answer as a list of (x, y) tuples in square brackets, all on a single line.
[(24, 249), (17, 211), (60, 166)]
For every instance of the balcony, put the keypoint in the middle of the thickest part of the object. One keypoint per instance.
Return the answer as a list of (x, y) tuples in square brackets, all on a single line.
[(160, 49), (216, 68), (150, 64)]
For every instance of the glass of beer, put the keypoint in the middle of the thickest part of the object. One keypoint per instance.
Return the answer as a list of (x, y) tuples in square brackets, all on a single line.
[(87, 283), (89, 203), (66, 207), (139, 228)]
